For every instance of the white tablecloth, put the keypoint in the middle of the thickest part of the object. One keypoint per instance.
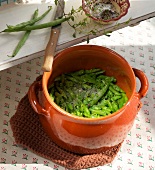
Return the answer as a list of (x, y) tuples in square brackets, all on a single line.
[(137, 46)]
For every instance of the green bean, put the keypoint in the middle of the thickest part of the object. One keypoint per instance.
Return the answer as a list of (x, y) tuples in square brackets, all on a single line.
[(103, 102), (99, 84), (95, 107), (78, 113), (101, 112), (117, 88), (98, 72), (86, 111), (87, 79), (114, 98), (39, 26), (125, 97), (31, 22), (63, 104), (114, 106), (93, 70), (57, 98), (68, 83), (52, 96), (92, 95), (86, 86), (73, 79), (24, 38), (113, 90), (77, 73), (107, 78), (76, 105), (71, 94), (69, 98), (61, 91), (109, 104), (120, 102), (70, 107), (99, 95), (62, 78), (108, 94)]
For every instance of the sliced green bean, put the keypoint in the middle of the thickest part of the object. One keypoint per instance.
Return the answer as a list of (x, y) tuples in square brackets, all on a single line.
[(68, 83), (52, 96), (125, 97), (114, 91), (57, 97), (98, 72), (101, 112), (120, 102), (114, 106), (99, 95), (71, 93), (70, 107), (114, 98), (86, 86), (78, 73), (86, 111), (117, 88), (73, 79), (107, 78), (108, 95), (61, 91), (93, 70), (86, 78), (95, 107), (78, 113), (109, 104)]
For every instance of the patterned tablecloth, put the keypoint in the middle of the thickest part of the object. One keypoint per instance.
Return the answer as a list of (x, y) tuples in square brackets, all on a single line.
[(137, 46)]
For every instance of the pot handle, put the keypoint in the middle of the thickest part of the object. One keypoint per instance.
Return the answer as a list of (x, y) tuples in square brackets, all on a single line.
[(144, 83), (36, 86)]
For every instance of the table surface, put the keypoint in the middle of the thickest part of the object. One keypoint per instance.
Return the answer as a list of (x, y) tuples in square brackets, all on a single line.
[(138, 149), (139, 10)]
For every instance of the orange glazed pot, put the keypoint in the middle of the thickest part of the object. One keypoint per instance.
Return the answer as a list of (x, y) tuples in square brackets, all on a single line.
[(88, 135)]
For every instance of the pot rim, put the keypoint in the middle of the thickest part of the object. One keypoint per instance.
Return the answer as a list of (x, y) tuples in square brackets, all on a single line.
[(46, 75)]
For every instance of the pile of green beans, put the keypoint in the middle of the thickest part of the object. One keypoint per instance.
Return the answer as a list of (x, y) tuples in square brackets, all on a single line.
[(87, 93)]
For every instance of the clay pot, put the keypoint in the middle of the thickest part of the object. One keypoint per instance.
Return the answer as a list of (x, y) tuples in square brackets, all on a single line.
[(88, 135)]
